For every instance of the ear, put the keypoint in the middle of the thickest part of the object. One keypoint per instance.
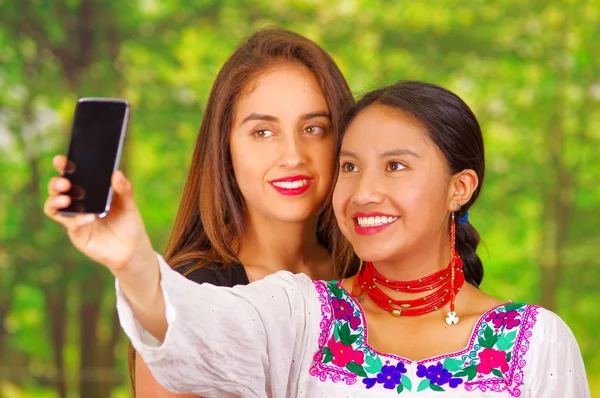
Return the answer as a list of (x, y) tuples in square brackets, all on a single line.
[(462, 186)]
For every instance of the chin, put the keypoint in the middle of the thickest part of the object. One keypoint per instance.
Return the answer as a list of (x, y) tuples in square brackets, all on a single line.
[(295, 215), (374, 253)]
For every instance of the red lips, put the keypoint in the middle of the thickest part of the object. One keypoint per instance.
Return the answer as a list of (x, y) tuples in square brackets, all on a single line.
[(287, 186), (371, 229)]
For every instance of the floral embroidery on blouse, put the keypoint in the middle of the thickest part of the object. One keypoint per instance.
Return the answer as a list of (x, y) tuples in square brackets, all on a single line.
[(492, 361)]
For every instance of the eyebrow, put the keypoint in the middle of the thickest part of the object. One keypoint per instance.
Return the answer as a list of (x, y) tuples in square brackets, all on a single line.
[(393, 152), (271, 118)]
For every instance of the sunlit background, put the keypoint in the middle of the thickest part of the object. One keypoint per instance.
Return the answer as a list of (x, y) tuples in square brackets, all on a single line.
[(530, 70)]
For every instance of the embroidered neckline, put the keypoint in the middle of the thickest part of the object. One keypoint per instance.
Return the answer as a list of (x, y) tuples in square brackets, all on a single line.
[(493, 360), (462, 351)]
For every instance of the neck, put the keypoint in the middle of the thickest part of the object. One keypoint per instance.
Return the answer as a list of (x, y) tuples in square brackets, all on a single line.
[(269, 246), (417, 264)]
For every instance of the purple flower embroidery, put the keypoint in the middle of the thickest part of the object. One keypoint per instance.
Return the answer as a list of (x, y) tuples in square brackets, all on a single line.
[(507, 319), (390, 376), (344, 310), (438, 375)]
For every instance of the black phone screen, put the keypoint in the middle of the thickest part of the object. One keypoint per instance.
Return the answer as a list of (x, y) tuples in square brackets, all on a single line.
[(94, 149)]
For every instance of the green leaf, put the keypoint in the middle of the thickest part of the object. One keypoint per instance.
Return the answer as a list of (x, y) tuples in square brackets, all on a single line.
[(488, 333), (374, 364), (508, 356), (406, 382), (513, 306), (435, 387), (337, 292), (336, 331), (484, 343), (452, 364), (346, 337), (506, 341), (345, 331), (494, 339), (423, 385), (327, 355), (352, 339), (497, 373), (470, 372), (400, 388), (356, 368)]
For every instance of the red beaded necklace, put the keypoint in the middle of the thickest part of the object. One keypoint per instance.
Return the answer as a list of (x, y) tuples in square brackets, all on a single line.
[(446, 283)]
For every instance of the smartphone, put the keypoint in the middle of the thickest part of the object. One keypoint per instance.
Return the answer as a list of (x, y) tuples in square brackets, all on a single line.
[(95, 147)]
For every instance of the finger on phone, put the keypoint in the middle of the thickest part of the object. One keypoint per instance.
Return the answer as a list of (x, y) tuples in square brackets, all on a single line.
[(59, 162), (58, 185)]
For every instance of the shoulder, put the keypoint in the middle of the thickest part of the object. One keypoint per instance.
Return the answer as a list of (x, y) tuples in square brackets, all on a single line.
[(216, 274), (554, 360), (550, 328)]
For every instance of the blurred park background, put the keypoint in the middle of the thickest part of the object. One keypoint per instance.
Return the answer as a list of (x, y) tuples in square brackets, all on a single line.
[(529, 69)]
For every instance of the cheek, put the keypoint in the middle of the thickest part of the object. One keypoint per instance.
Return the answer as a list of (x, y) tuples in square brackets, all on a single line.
[(248, 167), (341, 197), (324, 157)]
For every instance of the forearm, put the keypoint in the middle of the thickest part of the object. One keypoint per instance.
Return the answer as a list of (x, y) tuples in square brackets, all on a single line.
[(140, 283)]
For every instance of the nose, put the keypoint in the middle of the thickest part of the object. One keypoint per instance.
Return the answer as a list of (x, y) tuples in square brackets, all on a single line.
[(369, 190), (292, 152)]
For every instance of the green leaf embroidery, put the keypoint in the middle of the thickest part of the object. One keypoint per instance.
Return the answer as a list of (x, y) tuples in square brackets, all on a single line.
[(337, 292), (352, 339), (494, 339), (374, 364), (435, 387), (423, 385), (345, 337), (508, 356), (356, 368), (506, 341), (406, 382), (489, 338), (328, 356), (452, 364), (484, 343), (513, 306), (488, 333), (400, 388), (470, 372), (497, 373), (336, 331)]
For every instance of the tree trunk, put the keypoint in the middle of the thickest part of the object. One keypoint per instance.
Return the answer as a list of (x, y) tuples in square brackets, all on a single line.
[(89, 313), (56, 302)]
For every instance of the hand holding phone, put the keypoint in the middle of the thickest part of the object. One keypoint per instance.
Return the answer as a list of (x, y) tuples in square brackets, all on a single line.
[(80, 199)]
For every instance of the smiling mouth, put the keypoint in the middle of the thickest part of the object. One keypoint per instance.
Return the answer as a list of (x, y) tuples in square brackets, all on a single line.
[(377, 221), (291, 184)]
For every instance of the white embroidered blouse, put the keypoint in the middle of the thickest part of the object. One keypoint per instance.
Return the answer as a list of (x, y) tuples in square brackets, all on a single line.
[(289, 336)]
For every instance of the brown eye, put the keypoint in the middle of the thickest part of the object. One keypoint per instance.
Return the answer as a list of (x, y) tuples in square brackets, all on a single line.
[(314, 130), (348, 167), (395, 166), (263, 133)]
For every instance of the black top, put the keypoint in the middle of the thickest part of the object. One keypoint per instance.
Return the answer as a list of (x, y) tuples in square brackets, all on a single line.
[(217, 274)]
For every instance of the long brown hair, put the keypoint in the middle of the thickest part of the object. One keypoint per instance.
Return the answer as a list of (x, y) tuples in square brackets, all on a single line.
[(210, 220)]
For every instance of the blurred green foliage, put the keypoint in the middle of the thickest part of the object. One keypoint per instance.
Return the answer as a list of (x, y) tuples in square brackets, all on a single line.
[(530, 70)]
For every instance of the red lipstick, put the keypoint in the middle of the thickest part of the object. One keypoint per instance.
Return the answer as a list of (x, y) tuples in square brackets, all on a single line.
[(367, 229), (287, 187)]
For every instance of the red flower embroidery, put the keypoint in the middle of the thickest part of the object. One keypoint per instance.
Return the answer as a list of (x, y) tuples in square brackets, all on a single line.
[(343, 355), (492, 359)]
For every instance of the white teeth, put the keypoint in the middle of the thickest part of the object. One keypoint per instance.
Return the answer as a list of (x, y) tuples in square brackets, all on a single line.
[(375, 221), (291, 185)]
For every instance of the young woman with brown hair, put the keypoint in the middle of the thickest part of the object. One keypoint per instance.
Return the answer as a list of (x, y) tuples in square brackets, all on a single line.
[(255, 199)]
